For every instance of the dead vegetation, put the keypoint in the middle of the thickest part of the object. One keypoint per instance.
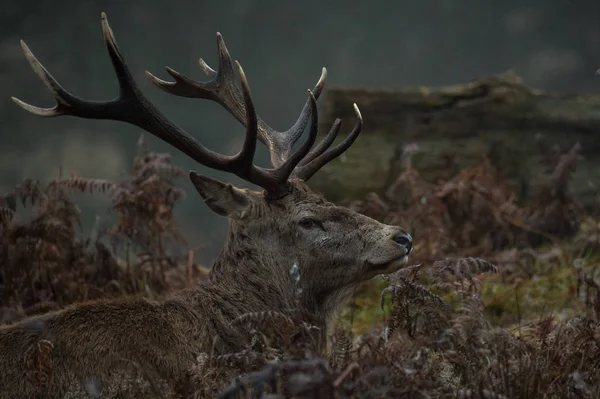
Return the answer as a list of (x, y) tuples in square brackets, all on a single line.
[(478, 211), (436, 338), (429, 347), (47, 264)]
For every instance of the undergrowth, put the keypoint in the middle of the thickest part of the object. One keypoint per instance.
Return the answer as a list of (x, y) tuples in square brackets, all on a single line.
[(503, 301), (457, 325), (432, 347), (46, 261), (478, 211)]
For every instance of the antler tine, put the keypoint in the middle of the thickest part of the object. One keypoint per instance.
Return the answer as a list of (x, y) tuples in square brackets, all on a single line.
[(324, 144), (245, 157), (286, 169), (307, 169), (133, 107), (49, 81), (223, 90)]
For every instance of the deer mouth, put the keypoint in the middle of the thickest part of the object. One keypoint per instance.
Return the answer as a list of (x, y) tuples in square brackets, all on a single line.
[(391, 265)]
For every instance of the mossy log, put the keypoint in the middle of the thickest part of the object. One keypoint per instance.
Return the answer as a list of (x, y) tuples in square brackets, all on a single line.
[(496, 117)]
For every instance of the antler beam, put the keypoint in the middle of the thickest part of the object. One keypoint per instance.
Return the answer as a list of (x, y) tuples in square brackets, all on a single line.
[(133, 107)]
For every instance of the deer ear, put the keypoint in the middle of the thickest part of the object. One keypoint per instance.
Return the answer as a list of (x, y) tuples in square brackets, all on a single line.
[(222, 198)]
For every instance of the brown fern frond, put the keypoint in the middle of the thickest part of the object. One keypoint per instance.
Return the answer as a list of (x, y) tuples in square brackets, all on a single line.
[(30, 190), (565, 167), (414, 293), (89, 185), (6, 215), (246, 358), (415, 309), (340, 348), (160, 165), (460, 268), (408, 273)]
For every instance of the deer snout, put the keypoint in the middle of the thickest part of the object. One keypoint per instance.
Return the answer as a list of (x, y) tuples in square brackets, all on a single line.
[(404, 240)]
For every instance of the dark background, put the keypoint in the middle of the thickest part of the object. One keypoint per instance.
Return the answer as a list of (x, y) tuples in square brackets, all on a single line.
[(552, 44)]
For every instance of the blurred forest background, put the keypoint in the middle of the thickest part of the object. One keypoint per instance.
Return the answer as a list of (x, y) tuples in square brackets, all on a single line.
[(552, 44)]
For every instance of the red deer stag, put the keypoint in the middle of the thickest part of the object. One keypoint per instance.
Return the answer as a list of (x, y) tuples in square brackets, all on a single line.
[(335, 249)]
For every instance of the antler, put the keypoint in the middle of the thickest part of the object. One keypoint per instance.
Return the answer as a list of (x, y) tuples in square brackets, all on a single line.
[(223, 90), (133, 107)]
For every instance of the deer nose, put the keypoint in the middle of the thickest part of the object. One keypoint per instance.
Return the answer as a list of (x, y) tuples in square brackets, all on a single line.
[(404, 240)]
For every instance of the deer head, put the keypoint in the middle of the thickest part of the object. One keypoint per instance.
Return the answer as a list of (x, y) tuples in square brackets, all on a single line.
[(334, 247)]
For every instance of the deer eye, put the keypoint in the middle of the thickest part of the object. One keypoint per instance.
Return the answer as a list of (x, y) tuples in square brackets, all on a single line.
[(309, 223)]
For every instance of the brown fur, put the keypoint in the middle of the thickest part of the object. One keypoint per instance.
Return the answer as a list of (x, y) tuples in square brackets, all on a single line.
[(103, 339)]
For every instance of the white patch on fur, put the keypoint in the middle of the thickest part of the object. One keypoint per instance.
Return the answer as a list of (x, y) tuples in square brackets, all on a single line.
[(295, 273)]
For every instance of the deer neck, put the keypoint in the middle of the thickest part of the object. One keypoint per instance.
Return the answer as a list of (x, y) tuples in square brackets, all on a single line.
[(269, 282), (243, 266)]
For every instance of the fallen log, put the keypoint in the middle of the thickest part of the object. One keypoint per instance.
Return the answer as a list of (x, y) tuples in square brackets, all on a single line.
[(454, 127)]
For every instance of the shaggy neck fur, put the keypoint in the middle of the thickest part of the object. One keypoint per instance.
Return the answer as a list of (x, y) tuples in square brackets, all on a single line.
[(244, 280), (267, 276)]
